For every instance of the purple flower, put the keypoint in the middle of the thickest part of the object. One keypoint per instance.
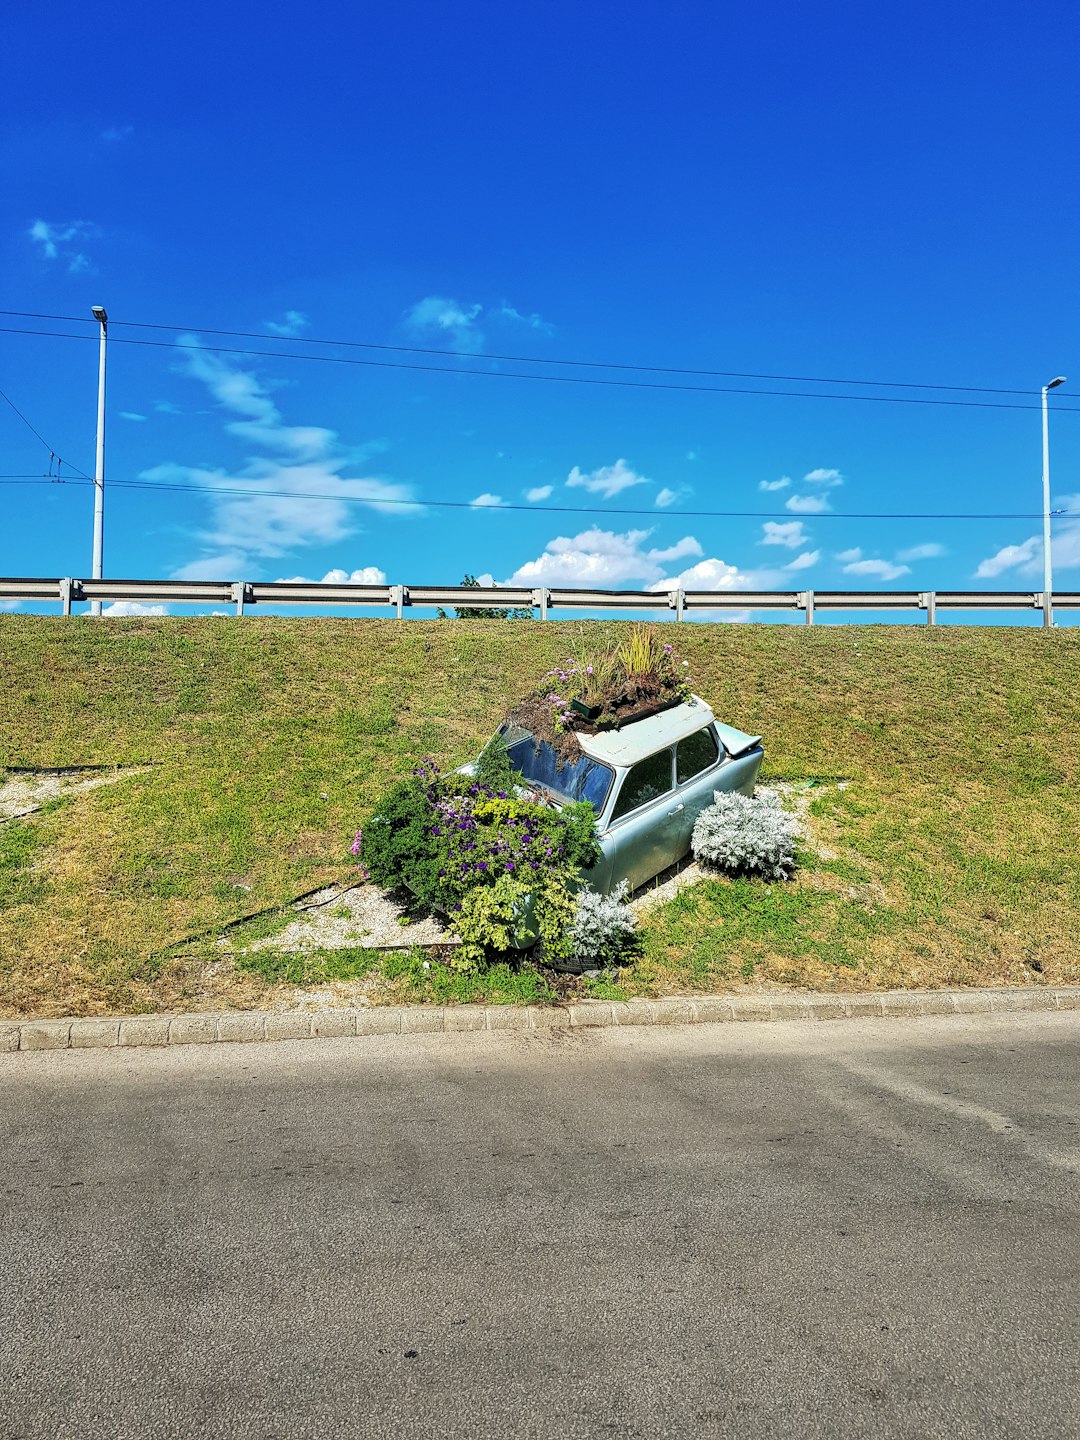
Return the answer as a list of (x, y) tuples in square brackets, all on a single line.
[(509, 864), (481, 864)]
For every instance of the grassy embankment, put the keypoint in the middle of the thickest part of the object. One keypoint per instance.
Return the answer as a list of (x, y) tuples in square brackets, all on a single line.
[(951, 857)]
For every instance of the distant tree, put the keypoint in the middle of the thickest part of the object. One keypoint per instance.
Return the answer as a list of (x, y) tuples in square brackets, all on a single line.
[(468, 612)]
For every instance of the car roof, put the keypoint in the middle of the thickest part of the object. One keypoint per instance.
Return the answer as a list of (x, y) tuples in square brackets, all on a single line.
[(642, 738)]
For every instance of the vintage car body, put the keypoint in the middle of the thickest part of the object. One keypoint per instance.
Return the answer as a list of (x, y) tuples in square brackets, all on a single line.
[(648, 782)]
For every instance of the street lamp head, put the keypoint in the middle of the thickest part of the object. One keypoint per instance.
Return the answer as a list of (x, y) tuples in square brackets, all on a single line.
[(98, 312), (1058, 380)]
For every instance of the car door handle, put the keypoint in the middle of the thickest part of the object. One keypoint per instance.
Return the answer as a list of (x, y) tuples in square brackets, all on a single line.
[(676, 810)]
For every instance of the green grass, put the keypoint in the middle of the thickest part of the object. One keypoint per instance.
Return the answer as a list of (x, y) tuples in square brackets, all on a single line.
[(951, 856)]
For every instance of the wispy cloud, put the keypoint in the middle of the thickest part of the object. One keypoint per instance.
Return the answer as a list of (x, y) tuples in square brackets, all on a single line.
[(805, 560), (166, 407), (486, 501), (846, 556), (665, 498), (828, 478), (291, 323), (515, 317), (879, 569), (438, 317), (608, 480), (59, 242), (789, 533), (1026, 555), (929, 551), (781, 484), (133, 607), (308, 462), (807, 504), (131, 415), (539, 493)]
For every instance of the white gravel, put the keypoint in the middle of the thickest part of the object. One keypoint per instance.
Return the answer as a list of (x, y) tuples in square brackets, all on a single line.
[(338, 919), (23, 792)]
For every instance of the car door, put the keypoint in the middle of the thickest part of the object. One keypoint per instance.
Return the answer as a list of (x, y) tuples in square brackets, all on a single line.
[(699, 770), (644, 829)]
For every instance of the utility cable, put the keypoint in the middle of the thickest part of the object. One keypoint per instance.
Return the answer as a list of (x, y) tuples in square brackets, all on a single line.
[(552, 379), (52, 453), (526, 359), (786, 517)]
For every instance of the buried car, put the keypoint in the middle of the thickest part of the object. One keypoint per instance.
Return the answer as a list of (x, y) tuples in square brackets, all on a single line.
[(648, 781)]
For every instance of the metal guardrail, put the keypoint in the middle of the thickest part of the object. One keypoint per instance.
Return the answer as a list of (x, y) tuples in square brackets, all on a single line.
[(242, 594)]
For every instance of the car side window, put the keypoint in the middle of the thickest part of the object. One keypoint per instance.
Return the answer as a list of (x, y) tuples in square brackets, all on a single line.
[(646, 780), (695, 754)]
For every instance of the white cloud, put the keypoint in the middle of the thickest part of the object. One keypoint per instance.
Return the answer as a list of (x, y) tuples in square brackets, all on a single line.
[(368, 575), (880, 569), (538, 493), (289, 325), (805, 560), (485, 501), (229, 566), (807, 504), (665, 498), (601, 558), (608, 480), (781, 484), (56, 241), (306, 461), (1011, 557), (846, 556), (1027, 558), (531, 322), (448, 320), (789, 533), (9, 605), (131, 415), (166, 407), (929, 551), (709, 574), (132, 607), (828, 478)]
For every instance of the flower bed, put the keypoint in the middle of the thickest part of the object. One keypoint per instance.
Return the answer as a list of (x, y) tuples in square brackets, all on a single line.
[(496, 865)]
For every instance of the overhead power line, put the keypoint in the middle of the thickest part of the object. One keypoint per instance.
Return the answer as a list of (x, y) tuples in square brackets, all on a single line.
[(53, 454), (605, 381), (783, 516), (525, 359)]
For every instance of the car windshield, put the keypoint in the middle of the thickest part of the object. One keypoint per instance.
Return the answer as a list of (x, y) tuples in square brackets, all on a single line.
[(580, 778)]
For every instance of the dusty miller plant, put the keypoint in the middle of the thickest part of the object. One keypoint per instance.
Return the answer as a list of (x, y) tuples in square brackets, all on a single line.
[(604, 928), (746, 835)]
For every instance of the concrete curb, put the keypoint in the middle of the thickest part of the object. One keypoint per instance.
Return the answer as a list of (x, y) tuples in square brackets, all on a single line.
[(240, 1026)]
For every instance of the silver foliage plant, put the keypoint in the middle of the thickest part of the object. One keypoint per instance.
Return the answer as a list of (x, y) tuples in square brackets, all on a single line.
[(603, 928), (745, 835)]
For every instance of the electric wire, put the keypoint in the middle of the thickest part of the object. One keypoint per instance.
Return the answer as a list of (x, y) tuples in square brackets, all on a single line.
[(523, 359), (787, 517), (52, 453), (550, 379)]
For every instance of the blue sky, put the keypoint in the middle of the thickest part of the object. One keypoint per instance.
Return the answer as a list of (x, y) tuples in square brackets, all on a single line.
[(816, 190)]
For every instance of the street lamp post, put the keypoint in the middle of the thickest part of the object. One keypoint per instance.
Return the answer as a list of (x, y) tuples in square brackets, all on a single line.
[(100, 316), (1048, 566)]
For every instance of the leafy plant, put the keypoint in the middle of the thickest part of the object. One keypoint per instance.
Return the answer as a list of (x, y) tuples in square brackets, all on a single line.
[(746, 835), (604, 928), (473, 612)]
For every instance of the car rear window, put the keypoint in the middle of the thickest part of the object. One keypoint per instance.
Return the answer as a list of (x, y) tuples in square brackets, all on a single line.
[(646, 780), (695, 754)]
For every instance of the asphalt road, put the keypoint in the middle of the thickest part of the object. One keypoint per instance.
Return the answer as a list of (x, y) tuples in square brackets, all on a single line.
[(835, 1229)]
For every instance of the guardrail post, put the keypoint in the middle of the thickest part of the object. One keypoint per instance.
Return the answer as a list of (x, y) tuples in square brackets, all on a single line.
[(240, 594), (675, 602), (928, 602), (399, 599), (540, 597), (65, 597), (806, 602)]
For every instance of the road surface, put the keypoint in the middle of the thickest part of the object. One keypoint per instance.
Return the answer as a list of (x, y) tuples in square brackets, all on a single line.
[(826, 1229)]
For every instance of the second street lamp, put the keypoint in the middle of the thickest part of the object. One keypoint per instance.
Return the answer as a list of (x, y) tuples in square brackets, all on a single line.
[(98, 312), (1048, 567)]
